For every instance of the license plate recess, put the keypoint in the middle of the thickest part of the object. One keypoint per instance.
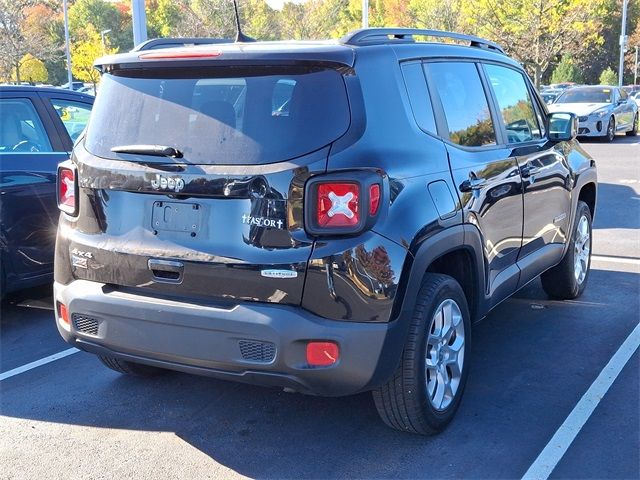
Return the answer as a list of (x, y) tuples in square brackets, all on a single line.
[(176, 217)]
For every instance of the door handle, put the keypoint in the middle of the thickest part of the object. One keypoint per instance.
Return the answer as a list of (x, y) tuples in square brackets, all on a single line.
[(474, 183), (528, 170), (166, 271)]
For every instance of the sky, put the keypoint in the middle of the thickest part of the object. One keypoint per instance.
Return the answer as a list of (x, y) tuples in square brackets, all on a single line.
[(278, 4)]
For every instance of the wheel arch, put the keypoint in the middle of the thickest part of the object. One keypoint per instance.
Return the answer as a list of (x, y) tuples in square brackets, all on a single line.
[(455, 251)]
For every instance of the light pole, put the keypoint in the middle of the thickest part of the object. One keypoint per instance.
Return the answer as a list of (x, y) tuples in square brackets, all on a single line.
[(635, 70), (66, 44), (102, 34), (365, 13), (622, 42), (139, 17)]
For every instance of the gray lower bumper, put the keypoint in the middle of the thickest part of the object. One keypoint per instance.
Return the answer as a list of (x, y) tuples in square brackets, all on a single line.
[(206, 340)]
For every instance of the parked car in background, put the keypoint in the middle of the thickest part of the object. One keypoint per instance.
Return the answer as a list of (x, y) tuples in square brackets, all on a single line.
[(636, 98), (89, 90), (37, 129), (602, 111), (74, 86), (549, 96)]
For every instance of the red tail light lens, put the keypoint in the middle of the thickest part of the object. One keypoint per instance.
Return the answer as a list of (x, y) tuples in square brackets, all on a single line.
[(67, 190), (374, 199), (337, 205)]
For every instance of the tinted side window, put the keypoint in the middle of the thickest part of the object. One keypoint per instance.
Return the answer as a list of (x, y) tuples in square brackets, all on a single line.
[(464, 102), (515, 104), (74, 115), (419, 96), (21, 129)]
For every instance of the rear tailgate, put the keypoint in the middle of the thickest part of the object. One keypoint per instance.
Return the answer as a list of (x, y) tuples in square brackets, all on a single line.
[(223, 219)]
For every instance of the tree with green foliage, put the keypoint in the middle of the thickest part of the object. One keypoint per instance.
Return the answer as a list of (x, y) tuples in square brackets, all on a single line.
[(608, 77), (32, 70), (100, 16), (162, 17), (566, 71)]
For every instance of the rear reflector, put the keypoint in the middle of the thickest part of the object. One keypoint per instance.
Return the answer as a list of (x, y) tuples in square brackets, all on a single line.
[(63, 314), (337, 205), (67, 186), (177, 55), (322, 354)]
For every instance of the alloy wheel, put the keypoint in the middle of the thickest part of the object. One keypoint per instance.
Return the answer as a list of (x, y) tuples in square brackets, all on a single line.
[(444, 357), (582, 249)]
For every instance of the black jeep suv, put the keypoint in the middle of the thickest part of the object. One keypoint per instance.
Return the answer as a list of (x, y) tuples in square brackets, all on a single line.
[(327, 217)]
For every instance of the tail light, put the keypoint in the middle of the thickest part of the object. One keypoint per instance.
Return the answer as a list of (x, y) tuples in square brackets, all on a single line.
[(342, 204), (67, 188)]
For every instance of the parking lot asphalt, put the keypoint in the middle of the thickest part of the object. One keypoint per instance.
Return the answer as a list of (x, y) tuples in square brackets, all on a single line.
[(532, 361)]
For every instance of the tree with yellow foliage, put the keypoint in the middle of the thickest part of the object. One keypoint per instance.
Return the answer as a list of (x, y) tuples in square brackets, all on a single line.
[(536, 33), (85, 52), (32, 70)]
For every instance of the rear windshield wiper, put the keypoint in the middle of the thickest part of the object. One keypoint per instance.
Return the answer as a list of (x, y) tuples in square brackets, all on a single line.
[(157, 150)]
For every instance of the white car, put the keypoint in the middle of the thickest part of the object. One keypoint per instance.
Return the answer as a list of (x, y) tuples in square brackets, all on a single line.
[(602, 111), (636, 98)]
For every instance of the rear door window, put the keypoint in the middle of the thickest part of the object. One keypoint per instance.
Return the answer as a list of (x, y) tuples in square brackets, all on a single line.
[(231, 116), (21, 130), (74, 115), (514, 101), (464, 103)]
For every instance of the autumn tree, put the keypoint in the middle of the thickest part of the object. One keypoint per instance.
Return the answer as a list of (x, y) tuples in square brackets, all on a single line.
[(535, 33), (17, 39), (85, 52), (32, 70), (162, 17), (437, 14)]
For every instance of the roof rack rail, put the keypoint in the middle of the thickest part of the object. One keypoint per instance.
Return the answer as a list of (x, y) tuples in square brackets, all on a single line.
[(378, 36), (156, 43)]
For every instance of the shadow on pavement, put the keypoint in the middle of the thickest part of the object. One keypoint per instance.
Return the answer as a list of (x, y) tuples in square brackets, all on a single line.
[(532, 359), (617, 200)]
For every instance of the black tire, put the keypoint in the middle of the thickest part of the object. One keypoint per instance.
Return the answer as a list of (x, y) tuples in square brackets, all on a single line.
[(634, 130), (130, 368), (560, 282), (403, 402), (610, 135)]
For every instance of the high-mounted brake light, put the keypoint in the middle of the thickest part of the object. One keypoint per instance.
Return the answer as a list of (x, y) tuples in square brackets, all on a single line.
[(67, 189), (178, 55)]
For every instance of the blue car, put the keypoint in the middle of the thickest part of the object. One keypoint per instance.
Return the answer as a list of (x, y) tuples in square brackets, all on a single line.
[(37, 129)]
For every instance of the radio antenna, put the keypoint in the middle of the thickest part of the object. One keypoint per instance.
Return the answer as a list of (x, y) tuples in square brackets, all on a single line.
[(240, 37)]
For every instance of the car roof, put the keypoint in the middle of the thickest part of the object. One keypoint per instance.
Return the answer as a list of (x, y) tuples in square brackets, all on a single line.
[(31, 88)]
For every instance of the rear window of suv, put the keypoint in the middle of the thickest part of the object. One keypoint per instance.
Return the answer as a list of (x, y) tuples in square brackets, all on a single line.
[(220, 116)]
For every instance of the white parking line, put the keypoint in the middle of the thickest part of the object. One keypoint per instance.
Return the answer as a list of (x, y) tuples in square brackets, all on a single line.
[(606, 258), (37, 363), (564, 436)]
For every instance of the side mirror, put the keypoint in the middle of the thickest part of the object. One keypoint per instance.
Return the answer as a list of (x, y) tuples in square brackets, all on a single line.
[(562, 127)]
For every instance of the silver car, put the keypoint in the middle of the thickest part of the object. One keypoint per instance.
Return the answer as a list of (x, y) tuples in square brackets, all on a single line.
[(602, 111)]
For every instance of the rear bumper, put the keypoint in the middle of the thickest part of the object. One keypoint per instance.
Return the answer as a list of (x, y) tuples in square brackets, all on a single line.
[(254, 342)]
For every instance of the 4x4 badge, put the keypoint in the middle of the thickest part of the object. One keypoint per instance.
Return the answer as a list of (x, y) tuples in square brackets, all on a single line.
[(167, 183)]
